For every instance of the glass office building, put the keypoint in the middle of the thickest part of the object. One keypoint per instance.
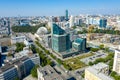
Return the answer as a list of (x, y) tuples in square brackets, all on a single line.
[(66, 15), (60, 39), (79, 44), (103, 23)]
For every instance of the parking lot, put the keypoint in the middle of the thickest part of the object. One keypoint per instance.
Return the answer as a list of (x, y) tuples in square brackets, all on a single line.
[(99, 54)]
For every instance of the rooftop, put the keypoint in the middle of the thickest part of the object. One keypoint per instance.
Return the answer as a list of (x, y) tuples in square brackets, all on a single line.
[(10, 64), (98, 74), (49, 73), (79, 40), (95, 70), (100, 66)]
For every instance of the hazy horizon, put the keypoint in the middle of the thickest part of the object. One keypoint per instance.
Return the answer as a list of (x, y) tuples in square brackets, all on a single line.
[(57, 7)]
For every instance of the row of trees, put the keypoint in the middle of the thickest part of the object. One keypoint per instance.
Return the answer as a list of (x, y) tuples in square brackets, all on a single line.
[(109, 59), (54, 57), (32, 29), (101, 47), (115, 75), (43, 57), (117, 32)]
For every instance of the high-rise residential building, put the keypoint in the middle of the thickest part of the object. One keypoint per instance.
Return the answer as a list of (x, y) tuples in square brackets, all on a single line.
[(66, 15), (60, 39), (103, 23), (99, 71), (116, 64), (78, 21), (71, 21), (48, 73), (79, 44)]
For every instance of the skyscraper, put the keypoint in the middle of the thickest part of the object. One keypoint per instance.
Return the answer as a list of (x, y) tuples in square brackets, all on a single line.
[(71, 21), (66, 15), (103, 23), (60, 39)]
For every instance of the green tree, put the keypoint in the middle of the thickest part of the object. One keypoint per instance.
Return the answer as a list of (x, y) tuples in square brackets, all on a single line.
[(19, 46), (90, 63), (101, 46), (74, 27), (16, 78), (33, 48), (94, 49), (31, 29), (34, 71)]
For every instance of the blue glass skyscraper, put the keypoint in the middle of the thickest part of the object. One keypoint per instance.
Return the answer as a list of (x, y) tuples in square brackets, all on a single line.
[(103, 23), (66, 15), (60, 39)]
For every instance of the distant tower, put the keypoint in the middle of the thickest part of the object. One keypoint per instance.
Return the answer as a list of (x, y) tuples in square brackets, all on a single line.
[(71, 21), (103, 23), (66, 15)]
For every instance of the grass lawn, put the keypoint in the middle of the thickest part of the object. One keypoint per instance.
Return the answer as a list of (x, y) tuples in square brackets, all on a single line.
[(75, 63)]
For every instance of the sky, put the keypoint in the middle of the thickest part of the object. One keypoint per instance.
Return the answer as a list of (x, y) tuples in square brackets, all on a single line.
[(57, 7)]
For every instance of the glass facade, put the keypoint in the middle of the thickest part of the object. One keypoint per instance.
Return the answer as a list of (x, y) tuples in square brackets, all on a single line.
[(60, 40), (79, 44), (103, 23), (66, 15), (57, 30)]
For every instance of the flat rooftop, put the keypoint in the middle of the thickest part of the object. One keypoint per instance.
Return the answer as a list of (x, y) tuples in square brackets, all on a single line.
[(99, 74), (49, 73), (10, 64), (68, 51), (95, 70), (100, 66)]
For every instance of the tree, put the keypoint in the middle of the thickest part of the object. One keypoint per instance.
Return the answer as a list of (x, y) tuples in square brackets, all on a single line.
[(19, 46), (101, 46), (94, 49), (74, 27), (107, 49), (16, 78), (33, 48), (90, 63), (32, 29), (34, 71)]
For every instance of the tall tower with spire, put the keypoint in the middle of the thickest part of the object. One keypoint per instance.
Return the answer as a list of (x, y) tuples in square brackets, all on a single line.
[(66, 15)]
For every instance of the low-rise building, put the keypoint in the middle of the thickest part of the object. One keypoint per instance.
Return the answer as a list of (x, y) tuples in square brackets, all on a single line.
[(79, 44), (48, 73), (28, 42), (97, 72), (34, 57), (17, 39)]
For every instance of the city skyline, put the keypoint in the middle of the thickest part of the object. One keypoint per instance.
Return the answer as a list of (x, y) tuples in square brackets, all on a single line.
[(57, 7)]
